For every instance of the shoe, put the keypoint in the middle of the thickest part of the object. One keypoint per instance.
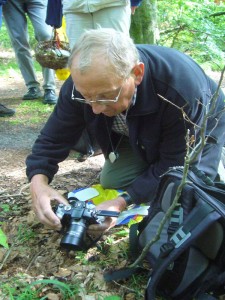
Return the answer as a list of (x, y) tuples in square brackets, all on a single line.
[(6, 112), (33, 93), (50, 97)]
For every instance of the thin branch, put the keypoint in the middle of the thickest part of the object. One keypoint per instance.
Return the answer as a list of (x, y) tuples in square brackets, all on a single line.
[(128, 289), (189, 158), (169, 211), (181, 109), (15, 195)]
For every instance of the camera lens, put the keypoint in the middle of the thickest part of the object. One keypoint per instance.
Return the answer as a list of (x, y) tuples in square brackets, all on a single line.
[(74, 237)]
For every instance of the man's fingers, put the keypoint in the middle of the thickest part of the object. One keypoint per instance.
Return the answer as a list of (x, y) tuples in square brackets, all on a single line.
[(46, 215), (106, 225)]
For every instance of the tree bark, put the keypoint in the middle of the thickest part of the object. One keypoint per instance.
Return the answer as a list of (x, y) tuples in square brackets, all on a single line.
[(144, 24)]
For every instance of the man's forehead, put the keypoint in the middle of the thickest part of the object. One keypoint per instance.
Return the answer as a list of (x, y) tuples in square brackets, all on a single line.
[(98, 73)]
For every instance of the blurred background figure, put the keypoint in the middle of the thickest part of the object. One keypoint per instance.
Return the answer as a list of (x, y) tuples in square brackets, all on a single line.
[(4, 111), (15, 16), (83, 15)]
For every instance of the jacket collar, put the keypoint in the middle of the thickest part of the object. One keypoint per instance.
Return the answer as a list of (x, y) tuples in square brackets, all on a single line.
[(146, 100)]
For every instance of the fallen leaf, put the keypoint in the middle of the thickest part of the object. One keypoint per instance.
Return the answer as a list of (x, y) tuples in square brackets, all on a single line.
[(62, 272), (51, 296)]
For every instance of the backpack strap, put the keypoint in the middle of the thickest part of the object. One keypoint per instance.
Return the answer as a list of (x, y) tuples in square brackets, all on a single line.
[(199, 179), (203, 216), (133, 241), (121, 273), (184, 232)]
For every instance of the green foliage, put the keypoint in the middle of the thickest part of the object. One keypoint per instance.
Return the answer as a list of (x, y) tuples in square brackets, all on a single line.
[(24, 234), (112, 298), (3, 239), (194, 27), (30, 113), (9, 65), (143, 23), (4, 207), (17, 289), (190, 27)]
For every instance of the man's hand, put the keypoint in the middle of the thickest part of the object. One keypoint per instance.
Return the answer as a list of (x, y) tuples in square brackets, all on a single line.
[(117, 205), (42, 195)]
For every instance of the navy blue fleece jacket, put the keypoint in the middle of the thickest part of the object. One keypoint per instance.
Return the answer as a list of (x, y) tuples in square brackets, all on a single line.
[(157, 129)]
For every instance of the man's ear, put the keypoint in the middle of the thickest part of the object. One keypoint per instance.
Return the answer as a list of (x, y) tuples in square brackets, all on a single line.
[(138, 72)]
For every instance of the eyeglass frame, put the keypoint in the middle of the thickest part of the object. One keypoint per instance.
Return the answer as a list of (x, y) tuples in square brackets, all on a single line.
[(99, 101)]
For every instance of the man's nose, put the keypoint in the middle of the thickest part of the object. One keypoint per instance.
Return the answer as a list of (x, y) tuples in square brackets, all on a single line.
[(97, 108)]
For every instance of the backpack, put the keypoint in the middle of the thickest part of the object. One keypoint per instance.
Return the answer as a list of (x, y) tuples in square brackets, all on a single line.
[(188, 260)]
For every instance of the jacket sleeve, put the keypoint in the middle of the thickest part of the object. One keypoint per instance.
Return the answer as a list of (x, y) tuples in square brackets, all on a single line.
[(135, 2), (62, 130), (54, 13)]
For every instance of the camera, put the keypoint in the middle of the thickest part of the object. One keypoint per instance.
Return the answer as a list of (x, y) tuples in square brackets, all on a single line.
[(75, 218)]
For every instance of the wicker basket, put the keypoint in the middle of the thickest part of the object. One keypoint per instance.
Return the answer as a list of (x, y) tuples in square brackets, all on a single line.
[(52, 54)]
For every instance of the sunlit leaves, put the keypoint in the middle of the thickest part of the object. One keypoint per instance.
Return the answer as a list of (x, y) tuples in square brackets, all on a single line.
[(3, 239)]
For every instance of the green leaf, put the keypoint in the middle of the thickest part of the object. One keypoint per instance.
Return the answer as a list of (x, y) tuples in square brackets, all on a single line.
[(112, 298), (3, 239)]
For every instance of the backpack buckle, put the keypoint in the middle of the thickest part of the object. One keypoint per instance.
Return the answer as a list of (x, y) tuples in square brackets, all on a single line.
[(179, 237), (165, 249)]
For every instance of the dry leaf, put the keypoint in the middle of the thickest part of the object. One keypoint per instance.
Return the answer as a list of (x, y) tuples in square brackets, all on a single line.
[(51, 296), (63, 272)]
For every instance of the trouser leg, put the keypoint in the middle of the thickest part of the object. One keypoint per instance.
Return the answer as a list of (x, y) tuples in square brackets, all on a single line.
[(124, 170), (16, 23), (76, 24), (37, 13), (212, 152), (117, 17)]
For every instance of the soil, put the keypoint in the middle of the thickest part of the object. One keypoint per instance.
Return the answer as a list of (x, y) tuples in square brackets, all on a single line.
[(34, 249)]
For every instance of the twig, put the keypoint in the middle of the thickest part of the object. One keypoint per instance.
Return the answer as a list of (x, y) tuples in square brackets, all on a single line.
[(6, 256), (125, 287), (169, 211), (33, 259), (180, 108), (189, 158), (18, 194)]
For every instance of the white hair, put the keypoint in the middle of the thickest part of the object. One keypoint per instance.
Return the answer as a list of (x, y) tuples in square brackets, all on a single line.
[(115, 47)]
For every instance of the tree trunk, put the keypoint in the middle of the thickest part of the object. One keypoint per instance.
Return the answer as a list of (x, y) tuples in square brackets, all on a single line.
[(144, 25)]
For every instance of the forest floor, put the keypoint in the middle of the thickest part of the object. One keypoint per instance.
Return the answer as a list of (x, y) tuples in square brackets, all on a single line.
[(34, 252)]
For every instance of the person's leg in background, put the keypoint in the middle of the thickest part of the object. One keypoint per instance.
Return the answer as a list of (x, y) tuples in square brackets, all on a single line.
[(16, 23), (4, 111), (117, 17), (213, 150), (36, 11), (76, 24)]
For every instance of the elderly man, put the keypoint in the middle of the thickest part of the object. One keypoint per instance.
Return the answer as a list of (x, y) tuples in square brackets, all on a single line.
[(116, 90)]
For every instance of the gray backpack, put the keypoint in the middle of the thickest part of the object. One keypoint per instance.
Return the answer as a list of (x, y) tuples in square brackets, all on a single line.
[(188, 260)]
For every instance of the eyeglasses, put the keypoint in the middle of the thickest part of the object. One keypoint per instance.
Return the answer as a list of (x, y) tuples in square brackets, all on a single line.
[(99, 101)]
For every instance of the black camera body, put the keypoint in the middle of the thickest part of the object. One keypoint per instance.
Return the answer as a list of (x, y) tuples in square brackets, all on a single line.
[(75, 219)]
